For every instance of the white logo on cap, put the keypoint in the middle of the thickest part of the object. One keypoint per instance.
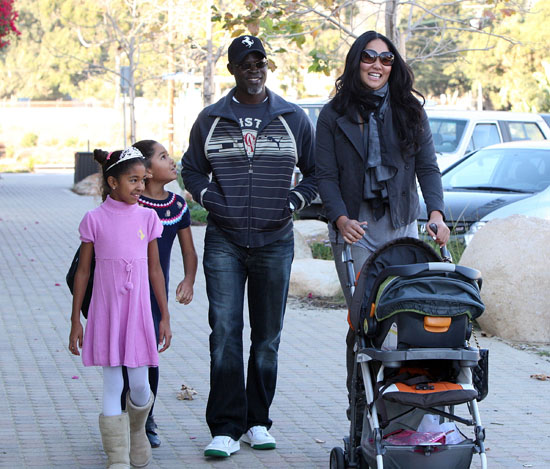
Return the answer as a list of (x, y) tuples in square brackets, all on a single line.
[(248, 42)]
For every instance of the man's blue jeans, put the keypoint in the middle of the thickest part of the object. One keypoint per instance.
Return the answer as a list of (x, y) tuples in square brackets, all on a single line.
[(233, 407)]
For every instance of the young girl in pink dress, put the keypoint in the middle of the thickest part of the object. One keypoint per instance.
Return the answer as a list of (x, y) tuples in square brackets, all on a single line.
[(120, 331)]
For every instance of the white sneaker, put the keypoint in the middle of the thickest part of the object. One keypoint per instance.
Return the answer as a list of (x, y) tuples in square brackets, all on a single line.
[(222, 447), (259, 438)]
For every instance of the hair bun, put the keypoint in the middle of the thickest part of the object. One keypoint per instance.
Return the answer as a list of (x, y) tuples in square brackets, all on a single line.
[(100, 156)]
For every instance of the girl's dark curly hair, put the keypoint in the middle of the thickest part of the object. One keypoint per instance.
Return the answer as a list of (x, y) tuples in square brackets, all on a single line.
[(106, 160), (147, 149), (406, 108)]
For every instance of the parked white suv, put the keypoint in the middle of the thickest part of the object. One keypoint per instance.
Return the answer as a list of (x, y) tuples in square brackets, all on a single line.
[(457, 133)]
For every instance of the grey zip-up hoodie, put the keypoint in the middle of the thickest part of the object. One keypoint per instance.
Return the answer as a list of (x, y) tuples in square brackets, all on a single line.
[(249, 198)]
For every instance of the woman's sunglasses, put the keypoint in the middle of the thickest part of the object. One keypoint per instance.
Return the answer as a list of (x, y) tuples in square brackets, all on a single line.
[(248, 65), (368, 56)]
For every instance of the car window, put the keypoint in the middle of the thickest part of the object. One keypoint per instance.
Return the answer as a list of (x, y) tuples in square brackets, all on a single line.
[(313, 113), (525, 131), (483, 135), (447, 133), (474, 171), (504, 168)]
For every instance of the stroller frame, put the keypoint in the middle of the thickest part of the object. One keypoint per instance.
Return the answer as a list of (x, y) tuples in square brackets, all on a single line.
[(362, 393)]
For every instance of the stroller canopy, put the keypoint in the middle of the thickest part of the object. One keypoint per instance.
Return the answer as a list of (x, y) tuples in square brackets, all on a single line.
[(397, 252), (398, 278)]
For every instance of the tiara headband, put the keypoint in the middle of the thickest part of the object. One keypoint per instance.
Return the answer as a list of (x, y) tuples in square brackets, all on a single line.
[(128, 154)]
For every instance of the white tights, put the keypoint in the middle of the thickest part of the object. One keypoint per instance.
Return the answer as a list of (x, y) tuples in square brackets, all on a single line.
[(113, 384)]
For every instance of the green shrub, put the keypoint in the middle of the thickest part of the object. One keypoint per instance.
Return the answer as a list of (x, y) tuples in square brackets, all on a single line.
[(29, 140), (198, 213), (322, 251), (71, 142), (456, 248)]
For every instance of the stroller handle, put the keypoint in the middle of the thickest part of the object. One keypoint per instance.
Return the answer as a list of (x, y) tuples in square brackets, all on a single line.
[(445, 253), (347, 259), (410, 270)]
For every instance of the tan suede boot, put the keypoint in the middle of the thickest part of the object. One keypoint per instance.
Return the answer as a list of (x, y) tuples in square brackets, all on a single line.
[(140, 448), (115, 435)]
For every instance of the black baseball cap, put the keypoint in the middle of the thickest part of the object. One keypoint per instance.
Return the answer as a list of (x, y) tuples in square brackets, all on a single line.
[(242, 46)]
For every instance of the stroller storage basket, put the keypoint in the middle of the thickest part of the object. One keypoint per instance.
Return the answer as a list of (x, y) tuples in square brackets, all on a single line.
[(423, 457)]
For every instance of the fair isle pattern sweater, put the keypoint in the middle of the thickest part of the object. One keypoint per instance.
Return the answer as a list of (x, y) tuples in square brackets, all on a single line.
[(248, 198)]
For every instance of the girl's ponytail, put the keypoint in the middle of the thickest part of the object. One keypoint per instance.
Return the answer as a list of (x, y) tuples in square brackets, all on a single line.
[(106, 160), (100, 156)]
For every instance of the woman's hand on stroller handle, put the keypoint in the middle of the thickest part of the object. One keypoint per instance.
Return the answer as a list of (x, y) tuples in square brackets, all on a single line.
[(440, 234), (351, 230), (445, 254)]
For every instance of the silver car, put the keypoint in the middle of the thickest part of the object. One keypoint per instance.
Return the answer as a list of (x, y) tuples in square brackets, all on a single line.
[(495, 182), (457, 133)]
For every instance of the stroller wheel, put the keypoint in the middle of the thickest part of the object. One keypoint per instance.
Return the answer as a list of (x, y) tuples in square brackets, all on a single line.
[(337, 458)]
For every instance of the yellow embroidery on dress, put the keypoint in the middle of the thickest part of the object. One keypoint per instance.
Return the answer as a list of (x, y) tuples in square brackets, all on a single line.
[(140, 234)]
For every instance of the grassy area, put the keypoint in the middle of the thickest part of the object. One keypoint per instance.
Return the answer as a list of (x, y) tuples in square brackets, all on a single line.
[(198, 214), (455, 248), (321, 251)]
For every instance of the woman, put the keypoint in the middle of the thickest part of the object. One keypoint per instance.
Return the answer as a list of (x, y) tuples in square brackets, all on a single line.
[(373, 141)]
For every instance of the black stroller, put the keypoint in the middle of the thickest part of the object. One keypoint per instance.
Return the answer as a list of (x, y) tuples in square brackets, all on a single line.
[(412, 314)]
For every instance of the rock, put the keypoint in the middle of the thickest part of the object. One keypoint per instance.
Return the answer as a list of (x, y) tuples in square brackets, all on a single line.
[(90, 185), (314, 276), (301, 247), (512, 255), (314, 231), (174, 187)]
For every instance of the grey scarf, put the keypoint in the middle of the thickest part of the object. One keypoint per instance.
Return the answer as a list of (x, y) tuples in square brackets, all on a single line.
[(375, 191)]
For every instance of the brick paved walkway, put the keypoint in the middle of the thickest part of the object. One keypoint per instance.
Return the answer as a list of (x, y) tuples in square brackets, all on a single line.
[(49, 403)]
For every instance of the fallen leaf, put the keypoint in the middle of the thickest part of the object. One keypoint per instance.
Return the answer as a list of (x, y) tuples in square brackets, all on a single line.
[(74, 377), (541, 377), (57, 284), (186, 393)]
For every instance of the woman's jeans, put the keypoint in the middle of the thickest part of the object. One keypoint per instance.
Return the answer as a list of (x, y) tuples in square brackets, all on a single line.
[(233, 407)]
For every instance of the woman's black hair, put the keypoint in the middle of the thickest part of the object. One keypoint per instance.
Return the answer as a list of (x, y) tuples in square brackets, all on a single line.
[(406, 108), (147, 149), (107, 161)]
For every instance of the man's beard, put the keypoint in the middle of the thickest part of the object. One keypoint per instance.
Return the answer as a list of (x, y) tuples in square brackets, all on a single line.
[(254, 90)]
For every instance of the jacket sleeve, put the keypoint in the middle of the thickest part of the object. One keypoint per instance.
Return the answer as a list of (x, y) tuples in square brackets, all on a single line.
[(196, 169), (306, 190), (326, 167), (427, 171)]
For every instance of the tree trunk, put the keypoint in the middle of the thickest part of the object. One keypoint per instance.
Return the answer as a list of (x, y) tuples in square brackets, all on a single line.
[(171, 82), (132, 90), (391, 20), (208, 73)]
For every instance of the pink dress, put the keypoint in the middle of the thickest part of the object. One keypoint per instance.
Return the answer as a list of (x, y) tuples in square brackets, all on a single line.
[(120, 329)]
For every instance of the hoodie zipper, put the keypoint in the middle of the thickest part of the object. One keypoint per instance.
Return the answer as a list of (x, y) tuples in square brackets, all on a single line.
[(250, 172)]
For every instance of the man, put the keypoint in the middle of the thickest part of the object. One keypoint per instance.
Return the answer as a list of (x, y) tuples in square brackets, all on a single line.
[(239, 165)]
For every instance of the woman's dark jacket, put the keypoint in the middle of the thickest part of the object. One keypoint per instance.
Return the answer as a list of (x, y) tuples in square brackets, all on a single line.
[(340, 158)]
